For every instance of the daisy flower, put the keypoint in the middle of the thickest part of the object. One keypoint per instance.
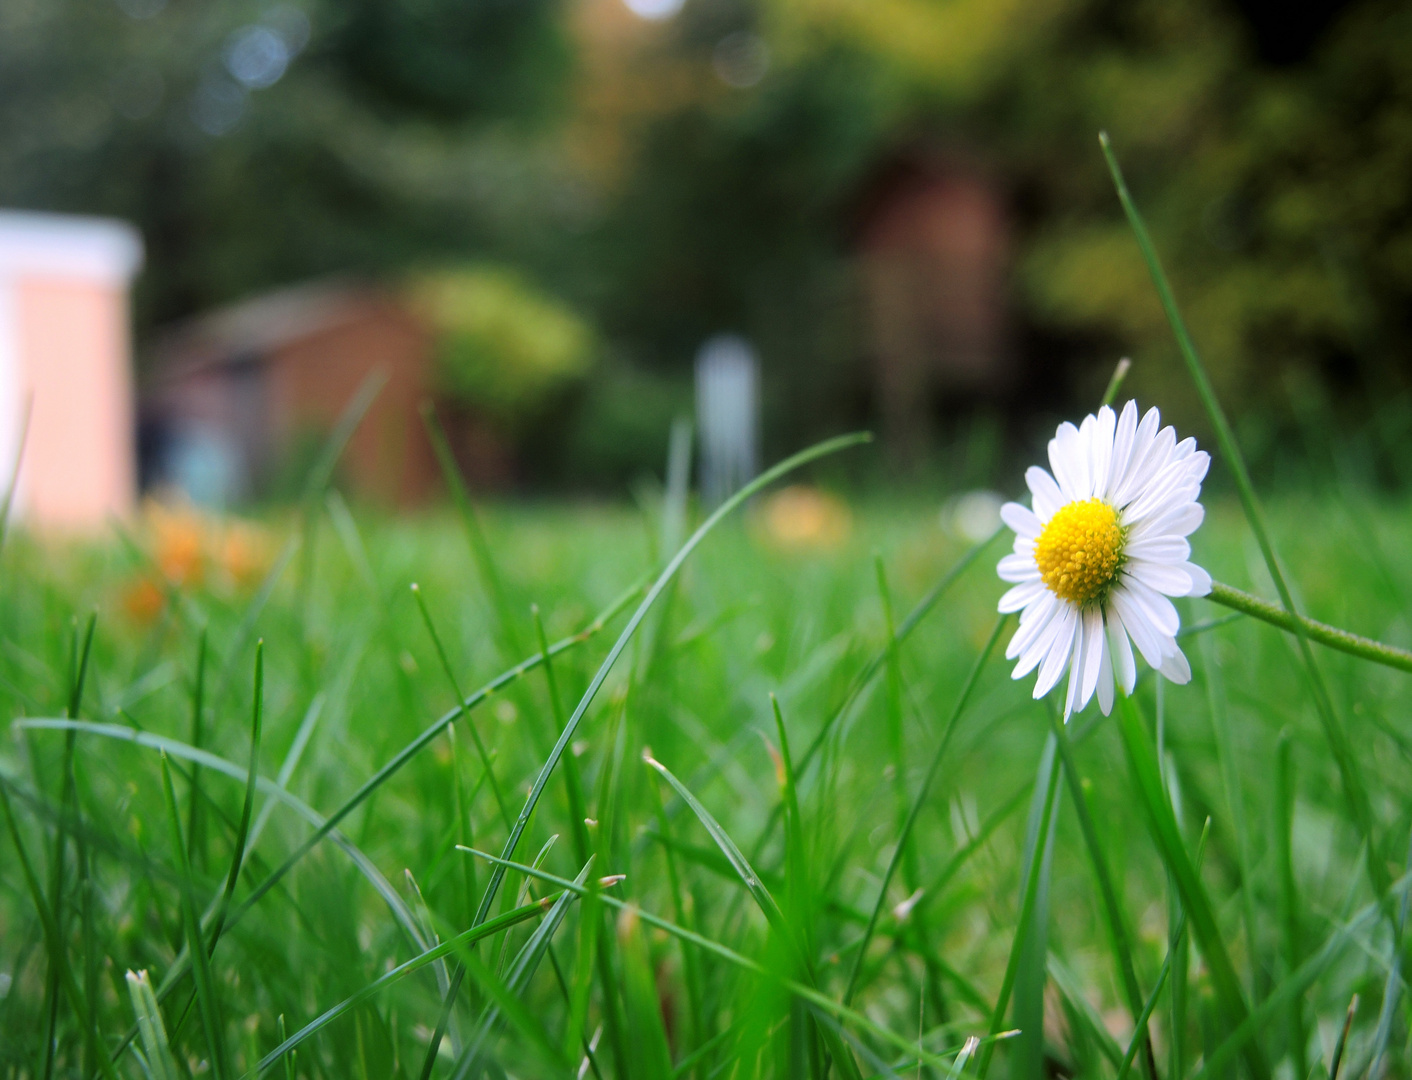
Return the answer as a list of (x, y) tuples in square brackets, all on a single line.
[(1097, 558)]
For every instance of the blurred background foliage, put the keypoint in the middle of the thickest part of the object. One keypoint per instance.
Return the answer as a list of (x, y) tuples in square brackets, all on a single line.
[(503, 347), (665, 178)]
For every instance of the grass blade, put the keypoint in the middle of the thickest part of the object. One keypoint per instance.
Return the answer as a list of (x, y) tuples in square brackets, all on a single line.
[(812, 996), (1032, 934), (1083, 1010), (446, 948), (762, 897), (329, 824), (206, 996), (648, 1051), (1118, 935), (1158, 812), (762, 481), (893, 698), (196, 821), (149, 1023), (176, 749), (68, 801), (785, 467), (1235, 802), (490, 577), (1045, 798), (748, 877), (521, 971), (461, 703), (914, 811), (248, 806), (573, 783), (1288, 897), (1176, 947), (1343, 1039), (51, 930)]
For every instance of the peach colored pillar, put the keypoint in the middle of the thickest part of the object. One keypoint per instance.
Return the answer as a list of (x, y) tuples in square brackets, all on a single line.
[(65, 354)]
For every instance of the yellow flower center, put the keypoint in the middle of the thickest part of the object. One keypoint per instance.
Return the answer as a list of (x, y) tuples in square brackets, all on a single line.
[(1080, 550)]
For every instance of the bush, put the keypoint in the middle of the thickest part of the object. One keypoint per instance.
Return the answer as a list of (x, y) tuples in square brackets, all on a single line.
[(503, 347)]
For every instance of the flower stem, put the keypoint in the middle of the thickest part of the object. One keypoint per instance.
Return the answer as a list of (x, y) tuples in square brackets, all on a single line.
[(1332, 636)]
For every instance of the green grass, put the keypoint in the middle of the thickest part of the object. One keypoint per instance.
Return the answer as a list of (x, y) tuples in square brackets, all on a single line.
[(753, 855), (795, 845)]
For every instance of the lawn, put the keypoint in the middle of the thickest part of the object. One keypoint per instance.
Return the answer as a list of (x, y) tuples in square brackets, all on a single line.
[(723, 926)]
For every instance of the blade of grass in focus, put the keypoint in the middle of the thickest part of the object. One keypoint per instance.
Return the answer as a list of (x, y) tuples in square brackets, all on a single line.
[(212, 1021)]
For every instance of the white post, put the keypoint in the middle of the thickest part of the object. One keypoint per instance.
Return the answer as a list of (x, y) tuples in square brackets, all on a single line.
[(727, 414)]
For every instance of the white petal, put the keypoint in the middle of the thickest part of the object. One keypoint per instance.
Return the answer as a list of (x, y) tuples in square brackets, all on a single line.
[(1021, 596), (1164, 578), (1031, 612), (1021, 519), (1059, 652), (1159, 548), (1142, 446), (1101, 451), (1159, 610), (1032, 624), (1184, 449), (1199, 464), (1182, 520), (1146, 468), (1175, 668), (1088, 441), (1105, 679), (1066, 462), (1138, 624), (1170, 488), (1122, 449), (1095, 647), (1124, 666), (1200, 579), (1047, 496), (1076, 668), (1017, 568), (1034, 652)]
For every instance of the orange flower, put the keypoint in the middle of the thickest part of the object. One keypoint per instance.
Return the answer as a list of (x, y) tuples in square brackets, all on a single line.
[(178, 544), (144, 601), (243, 553), (805, 517)]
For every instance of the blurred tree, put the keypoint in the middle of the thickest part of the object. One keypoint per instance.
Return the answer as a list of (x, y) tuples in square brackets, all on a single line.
[(258, 142), (1271, 161), (503, 348), (702, 173)]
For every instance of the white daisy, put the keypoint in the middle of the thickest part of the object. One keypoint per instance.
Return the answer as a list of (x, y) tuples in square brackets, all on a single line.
[(1097, 558)]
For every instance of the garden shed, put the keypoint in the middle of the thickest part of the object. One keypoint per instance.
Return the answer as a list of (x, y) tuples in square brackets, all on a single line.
[(241, 397)]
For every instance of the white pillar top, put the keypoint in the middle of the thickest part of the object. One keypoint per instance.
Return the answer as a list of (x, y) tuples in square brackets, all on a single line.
[(66, 245)]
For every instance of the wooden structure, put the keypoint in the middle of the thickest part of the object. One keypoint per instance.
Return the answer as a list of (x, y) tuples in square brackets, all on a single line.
[(933, 249), (238, 394)]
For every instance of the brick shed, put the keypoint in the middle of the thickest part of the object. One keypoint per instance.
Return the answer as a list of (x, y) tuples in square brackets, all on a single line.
[(236, 397)]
